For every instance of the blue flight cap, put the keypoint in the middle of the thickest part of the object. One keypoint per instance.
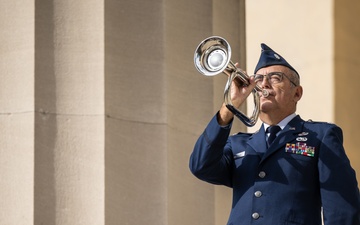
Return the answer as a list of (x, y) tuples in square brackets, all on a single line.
[(269, 57)]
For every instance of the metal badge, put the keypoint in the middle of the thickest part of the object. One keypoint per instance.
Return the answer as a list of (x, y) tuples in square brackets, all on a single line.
[(303, 134), (301, 139)]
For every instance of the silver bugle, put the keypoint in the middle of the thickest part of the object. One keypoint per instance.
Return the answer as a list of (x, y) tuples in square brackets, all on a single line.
[(212, 57)]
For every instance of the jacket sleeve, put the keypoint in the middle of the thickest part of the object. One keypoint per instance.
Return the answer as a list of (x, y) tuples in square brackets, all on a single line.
[(338, 186), (211, 159)]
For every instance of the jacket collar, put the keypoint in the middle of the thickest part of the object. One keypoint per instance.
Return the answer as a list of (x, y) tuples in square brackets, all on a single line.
[(288, 134)]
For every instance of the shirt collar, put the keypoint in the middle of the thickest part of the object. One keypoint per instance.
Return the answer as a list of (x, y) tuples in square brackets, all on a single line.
[(283, 122)]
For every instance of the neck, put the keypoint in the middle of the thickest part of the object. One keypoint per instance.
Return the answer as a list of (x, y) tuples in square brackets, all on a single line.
[(273, 118)]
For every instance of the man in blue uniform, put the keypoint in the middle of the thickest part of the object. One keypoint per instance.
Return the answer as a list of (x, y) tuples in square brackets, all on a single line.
[(289, 171)]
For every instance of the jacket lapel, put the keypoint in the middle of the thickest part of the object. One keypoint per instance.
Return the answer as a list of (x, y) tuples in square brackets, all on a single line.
[(258, 142), (288, 134)]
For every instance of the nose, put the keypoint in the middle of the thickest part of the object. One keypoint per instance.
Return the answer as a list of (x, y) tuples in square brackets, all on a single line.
[(265, 83)]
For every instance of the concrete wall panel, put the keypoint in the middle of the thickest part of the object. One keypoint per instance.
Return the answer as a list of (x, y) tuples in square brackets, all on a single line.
[(135, 133), (69, 106), (16, 112)]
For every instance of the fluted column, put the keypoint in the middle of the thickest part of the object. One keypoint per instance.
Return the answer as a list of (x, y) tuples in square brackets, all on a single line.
[(193, 99), (189, 107), (69, 119), (135, 152), (16, 112), (347, 83), (229, 22)]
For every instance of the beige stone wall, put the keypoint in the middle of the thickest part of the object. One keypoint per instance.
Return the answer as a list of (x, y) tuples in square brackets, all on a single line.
[(302, 32), (101, 103), (16, 112)]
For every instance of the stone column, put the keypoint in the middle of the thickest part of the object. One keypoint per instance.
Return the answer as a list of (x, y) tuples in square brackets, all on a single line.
[(346, 79), (157, 104), (229, 22), (193, 99), (135, 98), (69, 118), (16, 112), (189, 107)]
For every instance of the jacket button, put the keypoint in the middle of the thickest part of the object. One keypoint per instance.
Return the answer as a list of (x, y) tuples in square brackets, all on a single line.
[(262, 174), (258, 194), (255, 216)]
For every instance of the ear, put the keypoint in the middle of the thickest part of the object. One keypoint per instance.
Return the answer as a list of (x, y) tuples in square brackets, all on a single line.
[(298, 93)]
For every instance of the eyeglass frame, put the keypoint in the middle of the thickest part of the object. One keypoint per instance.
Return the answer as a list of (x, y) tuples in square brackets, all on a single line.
[(268, 77)]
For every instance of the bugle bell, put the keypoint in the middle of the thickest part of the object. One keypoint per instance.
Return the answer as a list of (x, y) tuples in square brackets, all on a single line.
[(212, 57)]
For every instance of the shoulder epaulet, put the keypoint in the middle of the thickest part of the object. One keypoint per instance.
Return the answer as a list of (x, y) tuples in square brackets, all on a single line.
[(242, 134), (318, 122)]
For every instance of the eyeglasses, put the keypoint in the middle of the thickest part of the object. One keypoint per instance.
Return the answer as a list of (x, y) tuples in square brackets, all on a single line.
[(272, 78)]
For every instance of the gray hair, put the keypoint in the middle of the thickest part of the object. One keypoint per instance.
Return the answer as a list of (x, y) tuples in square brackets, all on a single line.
[(294, 77)]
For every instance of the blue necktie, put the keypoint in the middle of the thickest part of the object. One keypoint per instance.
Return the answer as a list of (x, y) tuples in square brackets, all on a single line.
[(273, 130)]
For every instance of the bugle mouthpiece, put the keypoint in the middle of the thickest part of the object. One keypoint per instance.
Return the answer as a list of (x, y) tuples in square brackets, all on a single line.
[(265, 93)]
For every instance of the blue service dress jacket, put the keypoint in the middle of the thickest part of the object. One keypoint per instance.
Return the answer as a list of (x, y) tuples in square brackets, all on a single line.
[(302, 172)]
